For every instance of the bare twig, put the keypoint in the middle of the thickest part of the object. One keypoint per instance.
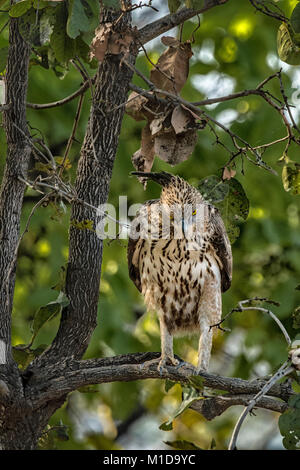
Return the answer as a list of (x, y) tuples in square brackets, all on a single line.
[(67, 193), (72, 136), (283, 371), (156, 28), (241, 308), (262, 6), (69, 98)]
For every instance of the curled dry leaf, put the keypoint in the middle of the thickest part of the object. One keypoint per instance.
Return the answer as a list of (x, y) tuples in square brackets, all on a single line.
[(161, 125), (143, 158), (182, 120), (170, 132), (135, 106), (228, 173), (107, 41), (172, 68), (170, 41), (99, 44), (175, 148)]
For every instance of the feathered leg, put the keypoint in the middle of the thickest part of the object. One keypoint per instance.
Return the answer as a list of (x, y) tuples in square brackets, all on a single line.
[(167, 354), (210, 311)]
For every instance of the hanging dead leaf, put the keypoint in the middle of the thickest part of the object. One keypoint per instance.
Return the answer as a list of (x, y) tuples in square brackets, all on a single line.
[(182, 120), (170, 41), (107, 41), (143, 158), (135, 106), (99, 44), (175, 148), (119, 43), (161, 125), (172, 68), (228, 173)]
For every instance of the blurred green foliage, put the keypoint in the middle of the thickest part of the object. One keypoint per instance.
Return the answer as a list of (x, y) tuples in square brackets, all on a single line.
[(242, 45)]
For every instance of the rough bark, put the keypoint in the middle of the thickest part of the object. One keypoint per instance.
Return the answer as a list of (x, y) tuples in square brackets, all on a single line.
[(12, 190), (94, 171), (28, 400)]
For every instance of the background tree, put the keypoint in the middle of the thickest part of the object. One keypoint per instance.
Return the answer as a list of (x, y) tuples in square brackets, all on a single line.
[(64, 155)]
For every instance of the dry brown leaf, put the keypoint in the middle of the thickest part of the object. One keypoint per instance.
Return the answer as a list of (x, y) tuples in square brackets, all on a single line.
[(172, 68), (170, 41), (182, 120), (119, 43), (106, 41), (175, 148), (134, 106), (143, 158), (99, 44), (228, 173)]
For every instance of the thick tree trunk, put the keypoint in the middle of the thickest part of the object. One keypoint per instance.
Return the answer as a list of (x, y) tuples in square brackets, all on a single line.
[(12, 190), (21, 425)]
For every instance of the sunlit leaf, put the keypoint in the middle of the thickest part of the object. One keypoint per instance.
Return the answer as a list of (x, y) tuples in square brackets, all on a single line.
[(288, 51), (18, 9), (182, 445), (189, 395), (47, 313)]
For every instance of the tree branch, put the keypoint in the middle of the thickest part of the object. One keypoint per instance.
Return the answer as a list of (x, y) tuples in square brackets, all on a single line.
[(84, 87), (210, 408), (60, 379), (156, 28), (17, 160)]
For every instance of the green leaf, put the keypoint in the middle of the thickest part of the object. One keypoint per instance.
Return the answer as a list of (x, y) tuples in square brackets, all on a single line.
[(3, 3), (18, 9), (47, 313), (40, 4), (289, 424), (169, 384), (288, 51), (189, 395), (234, 209), (291, 177), (295, 19), (174, 5), (3, 58), (197, 382), (23, 357), (182, 445), (82, 49), (77, 19), (166, 426), (62, 45), (230, 198), (213, 189)]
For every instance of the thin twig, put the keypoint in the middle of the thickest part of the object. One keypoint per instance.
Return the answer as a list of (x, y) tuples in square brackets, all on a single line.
[(71, 138), (69, 196), (283, 371), (241, 308), (69, 98)]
